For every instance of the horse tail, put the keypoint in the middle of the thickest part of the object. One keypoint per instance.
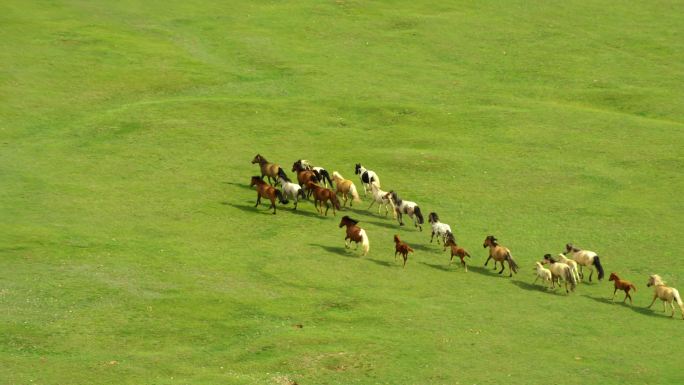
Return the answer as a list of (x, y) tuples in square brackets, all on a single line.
[(281, 197), (335, 201), (325, 174), (511, 263), (570, 277), (364, 241), (633, 287), (419, 215), (597, 263), (466, 253), (354, 193), (301, 193), (409, 248)]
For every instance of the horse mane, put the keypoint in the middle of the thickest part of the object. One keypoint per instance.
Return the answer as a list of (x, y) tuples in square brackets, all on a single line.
[(396, 238), (572, 247), (493, 240), (549, 258), (433, 216), (657, 280), (353, 221)]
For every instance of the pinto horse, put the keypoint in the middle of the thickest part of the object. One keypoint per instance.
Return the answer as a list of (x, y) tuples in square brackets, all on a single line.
[(409, 208), (585, 258), (499, 254), (268, 169), (355, 234), (438, 228), (368, 178), (383, 199), (323, 195), (321, 174), (290, 190), (401, 248), (267, 191)]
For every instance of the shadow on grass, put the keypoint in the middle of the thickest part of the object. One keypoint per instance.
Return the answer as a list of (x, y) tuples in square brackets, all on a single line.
[(535, 287), (438, 267), (250, 208), (335, 249), (641, 310), (386, 225), (383, 263), (241, 185)]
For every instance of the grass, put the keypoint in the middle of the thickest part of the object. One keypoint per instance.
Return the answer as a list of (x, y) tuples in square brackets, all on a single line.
[(131, 252)]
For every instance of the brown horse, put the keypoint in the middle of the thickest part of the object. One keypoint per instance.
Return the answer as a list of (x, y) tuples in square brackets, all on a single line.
[(622, 285), (323, 195), (304, 176), (401, 248), (499, 254), (458, 251), (264, 190), (268, 169), (355, 234)]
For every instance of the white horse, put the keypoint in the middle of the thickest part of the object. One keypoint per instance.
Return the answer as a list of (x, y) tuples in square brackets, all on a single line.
[(368, 178), (585, 258), (438, 228), (573, 265), (665, 293), (409, 208), (383, 199), (544, 274), (560, 271), (291, 190)]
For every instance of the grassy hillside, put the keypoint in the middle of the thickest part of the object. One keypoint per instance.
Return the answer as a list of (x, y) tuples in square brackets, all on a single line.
[(130, 251)]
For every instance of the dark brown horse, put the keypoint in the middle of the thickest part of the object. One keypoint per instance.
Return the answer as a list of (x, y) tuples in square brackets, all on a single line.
[(355, 234), (401, 248), (456, 250), (265, 190), (268, 169), (304, 176), (323, 195), (621, 284)]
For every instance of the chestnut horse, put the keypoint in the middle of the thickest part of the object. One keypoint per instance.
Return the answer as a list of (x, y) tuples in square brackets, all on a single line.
[(304, 176), (323, 195), (499, 254), (355, 234), (265, 190), (622, 285), (455, 250), (268, 169), (401, 248)]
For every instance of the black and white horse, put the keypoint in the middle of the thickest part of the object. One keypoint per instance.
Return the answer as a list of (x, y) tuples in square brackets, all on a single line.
[(409, 208), (321, 173), (368, 177)]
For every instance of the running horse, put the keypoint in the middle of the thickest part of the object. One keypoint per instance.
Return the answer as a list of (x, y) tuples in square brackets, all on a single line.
[(355, 234), (323, 195), (267, 191), (499, 254), (304, 176), (268, 169)]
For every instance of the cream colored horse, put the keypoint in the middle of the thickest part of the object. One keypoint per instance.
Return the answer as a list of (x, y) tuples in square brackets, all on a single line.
[(560, 271), (383, 198), (544, 274), (571, 263), (585, 258), (345, 187), (665, 293)]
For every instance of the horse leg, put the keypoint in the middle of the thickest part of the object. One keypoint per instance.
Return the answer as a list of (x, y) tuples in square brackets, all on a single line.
[(406, 259), (581, 272), (655, 296), (614, 291), (502, 267), (630, 298), (401, 220), (258, 200), (371, 205), (432, 236), (535, 280), (451, 259), (327, 207), (487, 261), (463, 262)]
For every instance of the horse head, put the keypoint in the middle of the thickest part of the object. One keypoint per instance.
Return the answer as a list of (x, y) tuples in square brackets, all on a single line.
[(548, 259), (257, 159), (357, 170), (433, 218), (654, 279), (347, 221), (613, 277), (255, 180), (490, 241), (396, 238)]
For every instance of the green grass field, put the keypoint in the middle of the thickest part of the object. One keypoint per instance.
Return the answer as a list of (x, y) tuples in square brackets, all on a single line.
[(130, 251)]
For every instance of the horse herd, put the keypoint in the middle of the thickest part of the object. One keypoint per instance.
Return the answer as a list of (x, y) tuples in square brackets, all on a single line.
[(316, 182)]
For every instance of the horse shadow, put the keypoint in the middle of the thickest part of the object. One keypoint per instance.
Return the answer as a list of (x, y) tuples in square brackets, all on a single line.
[(641, 310), (335, 249), (437, 267), (533, 287), (385, 225), (241, 185), (248, 208), (483, 270), (309, 214), (429, 248), (381, 262)]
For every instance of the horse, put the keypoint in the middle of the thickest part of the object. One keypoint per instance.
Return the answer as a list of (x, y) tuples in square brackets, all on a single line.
[(622, 285), (355, 234), (438, 228), (304, 176), (560, 271), (665, 293), (570, 262), (500, 254), (321, 173), (269, 169), (267, 191), (585, 258), (346, 188), (456, 250), (401, 248), (367, 177), (544, 274), (383, 199), (409, 208), (290, 190), (323, 195)]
